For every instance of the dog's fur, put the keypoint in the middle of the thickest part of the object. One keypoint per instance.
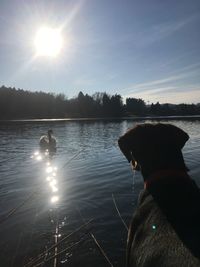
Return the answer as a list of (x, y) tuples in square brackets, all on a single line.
[(165, 230)]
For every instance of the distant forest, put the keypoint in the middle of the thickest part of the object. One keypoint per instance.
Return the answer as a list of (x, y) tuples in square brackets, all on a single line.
[(20, 104)]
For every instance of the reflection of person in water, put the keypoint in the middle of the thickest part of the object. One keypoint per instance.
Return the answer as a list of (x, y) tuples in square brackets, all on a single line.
[(48, 142), (165, 229)]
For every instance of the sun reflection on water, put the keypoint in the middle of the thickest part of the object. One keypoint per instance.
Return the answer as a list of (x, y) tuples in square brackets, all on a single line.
[(48, 178), (39, 157), (54, 199), (54, 189), (49, 169), (50, 174)]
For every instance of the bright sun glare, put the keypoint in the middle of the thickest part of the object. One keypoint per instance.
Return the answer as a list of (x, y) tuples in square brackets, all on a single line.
[(48, 42)]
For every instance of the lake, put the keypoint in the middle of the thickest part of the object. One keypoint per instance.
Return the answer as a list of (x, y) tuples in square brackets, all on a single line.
[(44, 198)]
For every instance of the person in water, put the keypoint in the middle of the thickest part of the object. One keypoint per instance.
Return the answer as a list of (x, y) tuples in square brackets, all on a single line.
[(165, 229), (48, 141)]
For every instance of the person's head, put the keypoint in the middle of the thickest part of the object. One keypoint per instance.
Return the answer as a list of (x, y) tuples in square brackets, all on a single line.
[(153, 147)]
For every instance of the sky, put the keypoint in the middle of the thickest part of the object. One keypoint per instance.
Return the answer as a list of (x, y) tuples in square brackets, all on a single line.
[(147, 49)]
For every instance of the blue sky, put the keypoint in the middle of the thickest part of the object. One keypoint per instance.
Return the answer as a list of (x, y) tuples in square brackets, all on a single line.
[(144, 49)]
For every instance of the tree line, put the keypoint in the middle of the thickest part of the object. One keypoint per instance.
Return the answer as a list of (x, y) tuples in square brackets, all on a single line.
[(21, 104)]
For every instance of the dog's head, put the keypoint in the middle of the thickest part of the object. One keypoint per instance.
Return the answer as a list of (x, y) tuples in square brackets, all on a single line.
[(154, 146)]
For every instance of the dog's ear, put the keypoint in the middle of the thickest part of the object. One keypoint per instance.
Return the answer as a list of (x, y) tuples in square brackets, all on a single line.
[(134, 141), (174, 134), (131, 142)]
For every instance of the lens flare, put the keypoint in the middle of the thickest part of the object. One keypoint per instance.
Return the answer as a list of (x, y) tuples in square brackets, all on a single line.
[(154, 227)]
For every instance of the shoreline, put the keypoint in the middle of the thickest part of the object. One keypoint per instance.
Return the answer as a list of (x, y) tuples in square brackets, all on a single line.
[(187, 117)]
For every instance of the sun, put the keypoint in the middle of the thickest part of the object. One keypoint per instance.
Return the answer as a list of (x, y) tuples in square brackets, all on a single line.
[(48, 42)]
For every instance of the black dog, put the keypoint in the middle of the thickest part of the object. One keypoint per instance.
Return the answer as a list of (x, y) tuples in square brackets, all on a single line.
[(165, 230)]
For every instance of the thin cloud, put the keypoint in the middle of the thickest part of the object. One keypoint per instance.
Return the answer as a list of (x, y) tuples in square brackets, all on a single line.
[(153, 91), (189, 96), (172, 87), (159, 31), (174, 94), (179, 75), (84, 81)]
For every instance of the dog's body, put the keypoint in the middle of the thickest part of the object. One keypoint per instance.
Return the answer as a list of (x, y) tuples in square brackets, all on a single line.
[(166, 239), (165, 230)]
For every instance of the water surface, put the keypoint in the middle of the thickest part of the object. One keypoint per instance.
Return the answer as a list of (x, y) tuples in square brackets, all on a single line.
[(87, 169)]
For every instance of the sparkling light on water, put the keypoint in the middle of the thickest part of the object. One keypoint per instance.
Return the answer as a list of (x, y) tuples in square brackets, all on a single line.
[(54, 199), (51, 173), (48, 178), (49, 169), (54, 189), (39, 157)]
